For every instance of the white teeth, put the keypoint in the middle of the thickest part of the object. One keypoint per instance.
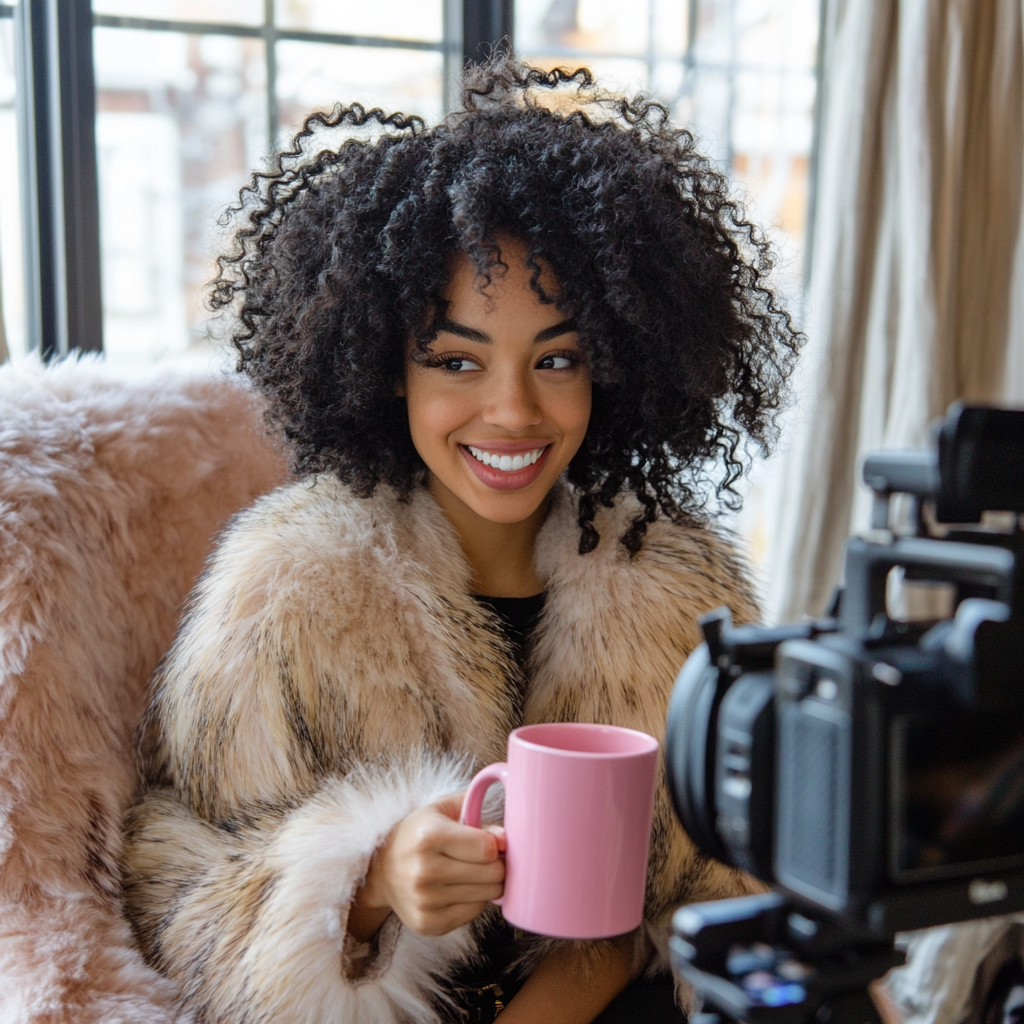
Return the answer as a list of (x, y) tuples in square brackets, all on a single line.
[(506, 463)]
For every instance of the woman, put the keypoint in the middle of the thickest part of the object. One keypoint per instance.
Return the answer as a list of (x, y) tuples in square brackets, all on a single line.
[(509, 354)]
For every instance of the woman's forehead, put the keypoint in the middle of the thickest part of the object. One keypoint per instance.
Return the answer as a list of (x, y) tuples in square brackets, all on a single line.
[(510, 271)]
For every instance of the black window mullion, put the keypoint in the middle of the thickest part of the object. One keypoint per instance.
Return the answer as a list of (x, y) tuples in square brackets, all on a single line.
[(485, 23), (56, 99)]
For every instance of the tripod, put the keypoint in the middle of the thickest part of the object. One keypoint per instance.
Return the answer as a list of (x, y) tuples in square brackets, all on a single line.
[(769, 960)]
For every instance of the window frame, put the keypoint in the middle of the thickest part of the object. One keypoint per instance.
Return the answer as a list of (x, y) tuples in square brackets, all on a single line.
[(56, 115)]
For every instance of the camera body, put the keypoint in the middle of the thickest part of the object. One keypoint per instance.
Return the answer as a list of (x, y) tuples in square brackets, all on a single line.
[(871, 767)]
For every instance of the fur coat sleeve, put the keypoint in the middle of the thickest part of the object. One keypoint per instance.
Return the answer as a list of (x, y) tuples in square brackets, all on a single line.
[(334, 673)]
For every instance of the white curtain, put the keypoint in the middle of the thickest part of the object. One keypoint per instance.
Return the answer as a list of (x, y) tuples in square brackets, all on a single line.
[(916, 288), (4, 354)]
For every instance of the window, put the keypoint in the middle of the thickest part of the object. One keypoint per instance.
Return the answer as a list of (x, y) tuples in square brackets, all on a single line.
[(743, 75), (191, 95)]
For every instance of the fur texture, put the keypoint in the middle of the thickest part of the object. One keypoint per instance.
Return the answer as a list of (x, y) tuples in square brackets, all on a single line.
[(111, 490), (332, 665)]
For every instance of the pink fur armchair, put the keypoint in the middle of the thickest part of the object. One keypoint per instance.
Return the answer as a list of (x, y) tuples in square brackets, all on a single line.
[(112, 489)]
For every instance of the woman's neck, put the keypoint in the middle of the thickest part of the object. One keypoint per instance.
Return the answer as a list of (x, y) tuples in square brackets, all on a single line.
[(501, 555)]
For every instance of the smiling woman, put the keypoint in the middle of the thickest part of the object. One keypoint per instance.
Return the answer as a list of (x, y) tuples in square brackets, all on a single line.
[(498, 407), (511, 354)]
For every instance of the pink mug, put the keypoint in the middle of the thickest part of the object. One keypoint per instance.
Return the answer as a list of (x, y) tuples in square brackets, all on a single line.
[(578, 805)]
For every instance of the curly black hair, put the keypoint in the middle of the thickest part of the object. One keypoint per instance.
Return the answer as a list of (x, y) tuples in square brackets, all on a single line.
[(344, 252)]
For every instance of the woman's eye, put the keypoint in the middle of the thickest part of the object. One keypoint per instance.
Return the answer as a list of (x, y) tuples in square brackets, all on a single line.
[(459, 363), (555, 363)]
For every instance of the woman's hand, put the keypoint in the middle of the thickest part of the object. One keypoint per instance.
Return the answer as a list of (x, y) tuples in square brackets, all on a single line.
[(434, 873)]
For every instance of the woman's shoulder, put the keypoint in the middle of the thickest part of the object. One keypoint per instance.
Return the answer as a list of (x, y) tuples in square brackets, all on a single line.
[(296, 592), (311, 556), (300, 528), (312, 507), (699, 547), (697, 562), (709, 558)]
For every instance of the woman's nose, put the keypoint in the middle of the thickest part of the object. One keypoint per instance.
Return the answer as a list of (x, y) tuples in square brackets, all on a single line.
[(511, 401)]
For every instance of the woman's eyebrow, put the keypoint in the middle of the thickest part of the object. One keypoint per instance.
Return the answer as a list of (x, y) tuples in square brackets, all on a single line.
[(563, 327), (461, 331), (472, 334)]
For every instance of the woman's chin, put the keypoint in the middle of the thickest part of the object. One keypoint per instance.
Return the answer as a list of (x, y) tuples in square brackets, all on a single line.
[(508, 507), (502, 506)]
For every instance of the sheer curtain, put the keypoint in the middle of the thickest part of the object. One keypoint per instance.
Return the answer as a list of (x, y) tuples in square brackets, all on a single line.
[(916, 290), (4, 354)]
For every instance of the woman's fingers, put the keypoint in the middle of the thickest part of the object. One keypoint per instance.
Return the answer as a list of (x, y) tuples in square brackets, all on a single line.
[(434, 868), (436, 874), (451, 806), (468, 845), (460, 893), (498, 831), (440, 833)]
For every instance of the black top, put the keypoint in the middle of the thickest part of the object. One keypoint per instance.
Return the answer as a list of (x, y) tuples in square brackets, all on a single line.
[(518, 615)]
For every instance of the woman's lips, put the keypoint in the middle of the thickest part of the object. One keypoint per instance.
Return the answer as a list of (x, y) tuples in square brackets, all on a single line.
[(506, 479)]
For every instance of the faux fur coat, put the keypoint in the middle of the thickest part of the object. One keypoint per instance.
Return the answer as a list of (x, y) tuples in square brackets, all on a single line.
[(334, 673)]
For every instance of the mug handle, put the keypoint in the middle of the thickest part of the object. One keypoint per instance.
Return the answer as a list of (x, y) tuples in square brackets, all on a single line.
[(473, 801)]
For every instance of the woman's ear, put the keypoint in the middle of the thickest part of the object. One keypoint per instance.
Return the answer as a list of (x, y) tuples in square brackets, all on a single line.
[(400, 389)]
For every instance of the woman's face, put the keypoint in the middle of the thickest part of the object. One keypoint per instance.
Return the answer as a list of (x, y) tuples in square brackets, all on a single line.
[(503, 401)]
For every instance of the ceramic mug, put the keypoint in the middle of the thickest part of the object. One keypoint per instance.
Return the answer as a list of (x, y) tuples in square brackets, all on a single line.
[(579, 799)]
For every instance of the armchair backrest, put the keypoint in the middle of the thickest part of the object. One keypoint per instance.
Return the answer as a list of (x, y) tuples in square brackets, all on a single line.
[(112, 490)]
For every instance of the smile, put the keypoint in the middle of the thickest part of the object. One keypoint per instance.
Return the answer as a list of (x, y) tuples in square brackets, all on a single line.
[(505, 471), (505, 463)]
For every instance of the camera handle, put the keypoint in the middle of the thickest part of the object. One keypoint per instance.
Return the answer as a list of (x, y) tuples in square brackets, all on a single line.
[(852, 1008), (941, 561), (768, 959)]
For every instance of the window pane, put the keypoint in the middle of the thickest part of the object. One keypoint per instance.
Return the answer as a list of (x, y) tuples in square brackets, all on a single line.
[(12, 292), (704, 104), (181, 121), (245, 12), (394, 19), (615, 73), (313, 76), (596, 26)]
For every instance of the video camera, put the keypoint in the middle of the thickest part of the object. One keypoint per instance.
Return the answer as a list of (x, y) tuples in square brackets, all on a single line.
[(871, 767)]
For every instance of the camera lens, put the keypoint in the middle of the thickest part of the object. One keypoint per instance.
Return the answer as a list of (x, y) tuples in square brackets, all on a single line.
[(692, 714)]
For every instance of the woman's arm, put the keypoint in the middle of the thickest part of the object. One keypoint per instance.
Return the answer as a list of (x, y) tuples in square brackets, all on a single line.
[(565, 988), (249, 915), (436, 874)]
